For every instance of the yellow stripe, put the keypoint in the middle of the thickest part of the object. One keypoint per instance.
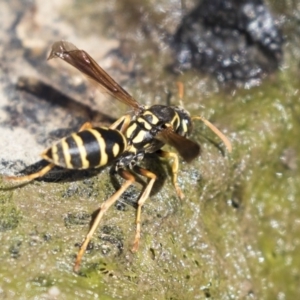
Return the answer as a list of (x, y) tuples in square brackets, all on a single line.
[(139, 137), (102, 145), (79, 142), (154, 117), (176, 117), (115, 150), (66, 153), (130, 130), (145, 123), (54, 155)]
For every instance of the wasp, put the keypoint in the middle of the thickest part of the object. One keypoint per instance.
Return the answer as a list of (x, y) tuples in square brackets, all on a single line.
[(124, 143)]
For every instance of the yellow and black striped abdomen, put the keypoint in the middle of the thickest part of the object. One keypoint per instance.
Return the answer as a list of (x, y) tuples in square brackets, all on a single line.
[(89, 148)]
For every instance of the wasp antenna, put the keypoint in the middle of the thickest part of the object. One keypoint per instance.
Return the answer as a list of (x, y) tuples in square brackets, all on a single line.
[(213, 128), (180, 87)]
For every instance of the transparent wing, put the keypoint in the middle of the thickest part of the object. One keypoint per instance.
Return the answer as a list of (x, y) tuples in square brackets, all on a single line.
[(187, 149), (82, 61)]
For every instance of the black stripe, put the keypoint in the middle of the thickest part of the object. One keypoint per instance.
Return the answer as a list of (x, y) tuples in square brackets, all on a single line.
[(163, 113), (74, 151), (92, 148), (148, 118), (146, 122), (111, 137), (49, 154), (61, 156), (136, 131)]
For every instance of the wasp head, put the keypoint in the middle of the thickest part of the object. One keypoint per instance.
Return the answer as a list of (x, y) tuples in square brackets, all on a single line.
[(185, 124)]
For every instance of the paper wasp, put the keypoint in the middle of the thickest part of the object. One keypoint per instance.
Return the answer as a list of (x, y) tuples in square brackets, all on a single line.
[(124, 143)]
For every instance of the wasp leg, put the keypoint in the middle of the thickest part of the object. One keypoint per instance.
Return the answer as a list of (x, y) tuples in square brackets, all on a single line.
[(86, 125), (175, 166), (130, 179), (121, 124), (141, 202), (32, 176)]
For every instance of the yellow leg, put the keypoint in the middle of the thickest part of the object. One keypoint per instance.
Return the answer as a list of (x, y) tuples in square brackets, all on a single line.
[(141, 202), (121, 124), (175, 167), (86, 125), (103, 208), (30, 177)]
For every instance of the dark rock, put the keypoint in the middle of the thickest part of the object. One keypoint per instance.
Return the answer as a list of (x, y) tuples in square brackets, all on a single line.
[(236, 40)]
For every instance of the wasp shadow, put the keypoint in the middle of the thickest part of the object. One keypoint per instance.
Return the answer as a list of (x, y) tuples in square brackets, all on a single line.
[(151, 163), (57, 174), (217, 145), (48, 93)]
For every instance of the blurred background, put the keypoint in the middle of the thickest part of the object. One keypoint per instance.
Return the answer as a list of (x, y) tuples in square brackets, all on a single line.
[(236, 235)]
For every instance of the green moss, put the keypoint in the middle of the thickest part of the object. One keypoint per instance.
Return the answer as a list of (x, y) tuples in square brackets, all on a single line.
[(9, 214)]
